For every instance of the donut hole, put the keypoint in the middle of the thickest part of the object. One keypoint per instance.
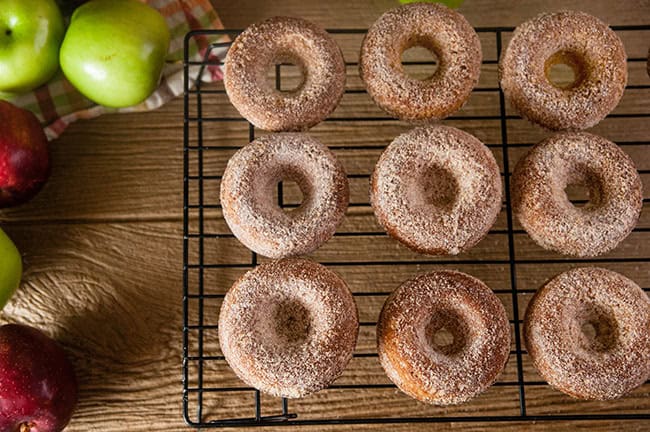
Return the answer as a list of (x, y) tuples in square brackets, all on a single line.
[(583, 187), (561, 75), (443, 338), (420, 60), (579, 193), (436, 187), (288, 194), (287, 189), (598, 330), (292, 322), (286, 74), (565, 70), (446, 332)]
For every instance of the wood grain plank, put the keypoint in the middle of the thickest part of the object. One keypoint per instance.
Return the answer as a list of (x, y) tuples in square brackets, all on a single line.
[(345, 14), (102, 242), (632, 426), (357, 103), (110, 293), (359, 220), (368, 306)]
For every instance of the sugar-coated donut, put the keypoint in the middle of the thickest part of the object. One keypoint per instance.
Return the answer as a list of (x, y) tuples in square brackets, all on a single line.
[(581, 41), (251, 211), (437, 190), (288, 327), (441, 30), (577, 158), (437, 371), (588, 333), (273, 41)]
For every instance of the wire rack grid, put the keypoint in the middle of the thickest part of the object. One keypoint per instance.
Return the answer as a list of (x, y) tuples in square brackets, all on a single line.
[(201, 358)]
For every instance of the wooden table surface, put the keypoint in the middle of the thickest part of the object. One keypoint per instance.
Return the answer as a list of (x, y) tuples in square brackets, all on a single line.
[(102, 244)]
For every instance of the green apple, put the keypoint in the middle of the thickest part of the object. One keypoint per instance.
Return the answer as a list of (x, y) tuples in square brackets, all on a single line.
[(11, 268), (31, 32), (114, 51)]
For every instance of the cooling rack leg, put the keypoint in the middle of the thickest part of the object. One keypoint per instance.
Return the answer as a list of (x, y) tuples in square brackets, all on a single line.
[(511, 241)]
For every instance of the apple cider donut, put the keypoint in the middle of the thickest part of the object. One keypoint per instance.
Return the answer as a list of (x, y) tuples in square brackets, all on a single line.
[(251, 211), (540, 202), (444, 32), (414, 352), (588, 333), (437, 190), (288, 327), (582, 42), (273, 41)]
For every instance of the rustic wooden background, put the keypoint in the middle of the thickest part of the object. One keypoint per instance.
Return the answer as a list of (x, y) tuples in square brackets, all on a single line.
[(102, 244)]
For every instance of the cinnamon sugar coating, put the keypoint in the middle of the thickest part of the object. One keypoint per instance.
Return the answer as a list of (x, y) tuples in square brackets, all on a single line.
[(251, 211), (288, 327), (437, 190), (454, 372), (551, 220), (276, 40), (437, 28), (588, 333), (579, 40)]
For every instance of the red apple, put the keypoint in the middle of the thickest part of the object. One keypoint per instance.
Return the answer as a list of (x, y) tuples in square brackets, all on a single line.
[(24, 155), (38, 388)]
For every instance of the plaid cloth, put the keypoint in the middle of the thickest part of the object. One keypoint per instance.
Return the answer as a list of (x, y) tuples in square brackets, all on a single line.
[(57, 103)]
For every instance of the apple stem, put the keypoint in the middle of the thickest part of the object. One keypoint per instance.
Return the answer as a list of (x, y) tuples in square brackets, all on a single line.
[(25, 427)]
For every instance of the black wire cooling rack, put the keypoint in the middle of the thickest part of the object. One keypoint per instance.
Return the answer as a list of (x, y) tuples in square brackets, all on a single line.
[(209, 401)]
